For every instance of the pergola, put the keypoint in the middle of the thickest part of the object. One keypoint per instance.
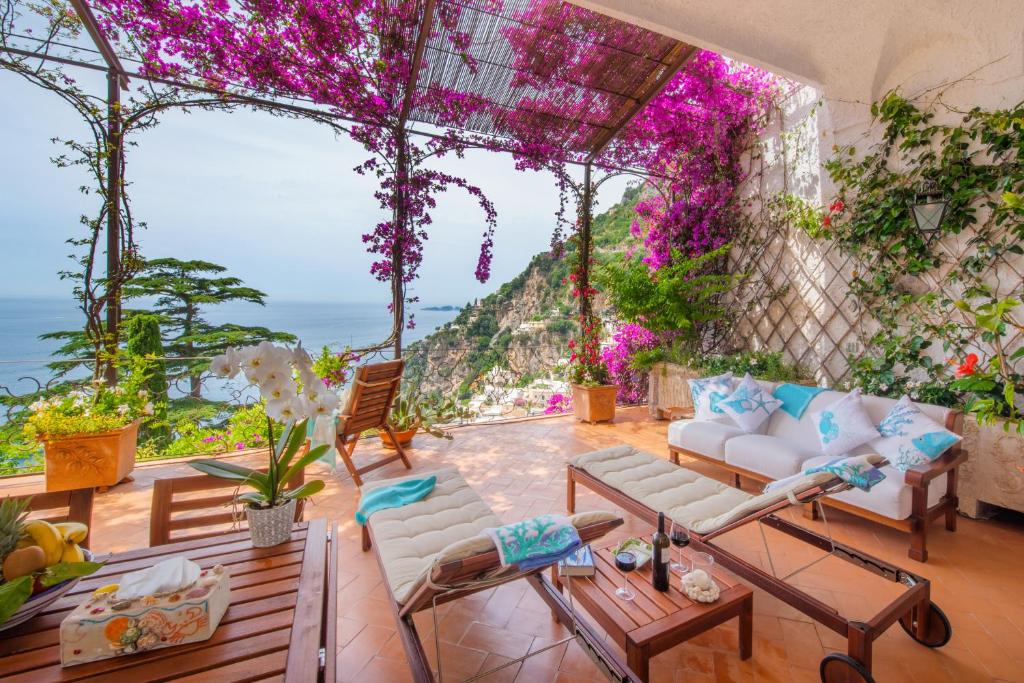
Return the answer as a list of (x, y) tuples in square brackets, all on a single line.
[(629, 66)]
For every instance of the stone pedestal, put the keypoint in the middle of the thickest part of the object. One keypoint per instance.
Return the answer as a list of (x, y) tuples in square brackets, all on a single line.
[(994, 471), (668, 390)]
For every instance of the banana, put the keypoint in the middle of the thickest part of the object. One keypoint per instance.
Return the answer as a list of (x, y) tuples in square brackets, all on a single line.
[(72, 553), (47, 537), (73, 532), (109, 588)]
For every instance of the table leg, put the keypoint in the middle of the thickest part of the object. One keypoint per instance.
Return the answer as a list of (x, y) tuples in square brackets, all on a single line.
[(747, 628), (638, 658)]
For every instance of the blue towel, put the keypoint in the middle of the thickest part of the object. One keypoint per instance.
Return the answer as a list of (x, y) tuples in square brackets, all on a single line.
[(796, 397), (394, 496), (856, 470), (535, 543)]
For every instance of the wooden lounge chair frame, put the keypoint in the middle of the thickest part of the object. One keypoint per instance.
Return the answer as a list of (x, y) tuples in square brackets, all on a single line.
[(459, 578), (77, 501), (369, 405), (161, 523), (913, 609), (917, 478)]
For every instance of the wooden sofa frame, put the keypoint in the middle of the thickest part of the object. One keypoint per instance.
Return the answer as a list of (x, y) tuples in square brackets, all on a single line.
[(471, 568), (913, 609), (918, 478)]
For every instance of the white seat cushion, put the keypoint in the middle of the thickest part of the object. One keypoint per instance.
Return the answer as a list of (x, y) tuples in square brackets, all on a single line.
[(408, 537), (890, 497), (706, 437), (771, 456), (699, 503)]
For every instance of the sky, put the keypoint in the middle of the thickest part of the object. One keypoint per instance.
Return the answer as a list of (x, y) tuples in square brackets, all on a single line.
[(274, 200)]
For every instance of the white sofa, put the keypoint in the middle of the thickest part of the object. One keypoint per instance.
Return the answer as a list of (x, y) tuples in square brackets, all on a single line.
[(784, 446)]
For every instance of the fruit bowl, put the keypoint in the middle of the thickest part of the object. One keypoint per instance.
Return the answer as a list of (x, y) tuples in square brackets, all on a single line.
[(40, 601)]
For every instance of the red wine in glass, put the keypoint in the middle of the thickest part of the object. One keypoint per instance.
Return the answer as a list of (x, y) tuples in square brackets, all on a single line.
[(680, 539), (625, 562)]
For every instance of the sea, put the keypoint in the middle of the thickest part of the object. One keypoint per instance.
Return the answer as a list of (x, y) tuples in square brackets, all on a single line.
[(23, 355)]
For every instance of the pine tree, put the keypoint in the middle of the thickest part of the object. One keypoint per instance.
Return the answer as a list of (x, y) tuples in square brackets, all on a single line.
[(183, 289), (142, 332)]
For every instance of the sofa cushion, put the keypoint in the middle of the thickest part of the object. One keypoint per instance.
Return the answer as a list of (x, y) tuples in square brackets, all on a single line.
[(844, 425), (909, 437), (706, 437), (890, 497), (749, 405), (771, 456), (707, 392)]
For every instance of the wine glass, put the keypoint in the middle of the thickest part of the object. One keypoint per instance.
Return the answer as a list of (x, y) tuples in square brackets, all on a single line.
[(680, 538), (625, 562)]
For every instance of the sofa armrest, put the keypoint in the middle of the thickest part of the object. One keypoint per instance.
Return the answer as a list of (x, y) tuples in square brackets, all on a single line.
[(920, 475)]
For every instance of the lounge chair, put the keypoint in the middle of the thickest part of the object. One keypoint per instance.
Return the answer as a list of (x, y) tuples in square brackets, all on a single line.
[(645, 484), (368, 407), (431, 552)]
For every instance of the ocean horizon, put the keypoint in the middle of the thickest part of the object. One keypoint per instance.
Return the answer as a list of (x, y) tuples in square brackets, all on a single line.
[(315, 323)]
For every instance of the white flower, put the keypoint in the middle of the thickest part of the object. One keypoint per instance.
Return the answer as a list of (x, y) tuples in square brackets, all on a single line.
[(303, 361), (123, 409), (275, 373), (284, 409), (143, 394), (37, 406), (277, 390), (883, 387), (329, 400), (117, 391), (222, 367), (148, 409)]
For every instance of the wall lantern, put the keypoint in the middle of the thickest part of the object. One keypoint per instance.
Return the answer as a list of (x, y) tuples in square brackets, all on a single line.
[(929, 209)]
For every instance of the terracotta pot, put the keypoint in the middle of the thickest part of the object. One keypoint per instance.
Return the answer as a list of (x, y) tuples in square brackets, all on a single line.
[(271, 526), (404, 438), (594, 404), (89, 460)]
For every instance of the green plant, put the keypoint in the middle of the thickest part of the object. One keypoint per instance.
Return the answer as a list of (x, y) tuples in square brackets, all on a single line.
[(143, 341), (425, 413), (993, 390), (335, 369), (766, 365), (282, 463)]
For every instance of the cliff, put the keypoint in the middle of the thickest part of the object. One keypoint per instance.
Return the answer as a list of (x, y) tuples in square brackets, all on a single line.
[(520, 331)]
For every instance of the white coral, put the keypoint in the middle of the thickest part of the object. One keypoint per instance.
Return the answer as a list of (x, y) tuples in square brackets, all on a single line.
[(700, 587)]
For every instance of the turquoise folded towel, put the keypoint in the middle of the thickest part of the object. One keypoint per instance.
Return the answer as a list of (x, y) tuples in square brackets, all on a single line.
[(394, 496), (535, 543), (796, 397)]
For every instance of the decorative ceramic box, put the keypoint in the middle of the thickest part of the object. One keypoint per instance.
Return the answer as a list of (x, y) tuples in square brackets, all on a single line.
[(104, 626)]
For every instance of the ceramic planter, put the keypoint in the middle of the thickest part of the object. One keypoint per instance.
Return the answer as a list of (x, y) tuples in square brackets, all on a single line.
[(404, 438), (994, 471), (594, 404), (271, 526), (90, 460)]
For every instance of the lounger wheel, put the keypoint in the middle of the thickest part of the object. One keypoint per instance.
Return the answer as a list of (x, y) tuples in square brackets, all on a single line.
[(840, 668), (938, 632)]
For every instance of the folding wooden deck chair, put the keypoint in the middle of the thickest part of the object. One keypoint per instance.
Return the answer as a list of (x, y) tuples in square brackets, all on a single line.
[(165, 515), (369, 405)]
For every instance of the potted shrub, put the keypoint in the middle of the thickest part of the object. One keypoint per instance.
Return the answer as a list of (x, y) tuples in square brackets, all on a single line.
[(293, 394), (89, 434), (593, 394), (412, 413)]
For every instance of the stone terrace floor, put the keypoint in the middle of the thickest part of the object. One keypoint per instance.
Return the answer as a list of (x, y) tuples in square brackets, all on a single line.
[(519, 469)]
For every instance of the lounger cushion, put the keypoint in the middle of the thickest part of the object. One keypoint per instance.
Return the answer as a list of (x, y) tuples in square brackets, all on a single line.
[(443, 527), (700, 503), (891, 497), (770, 456), (706, 437)]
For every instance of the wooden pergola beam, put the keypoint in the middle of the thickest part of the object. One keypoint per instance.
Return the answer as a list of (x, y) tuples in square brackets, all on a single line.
[(417, 59), (88, 20), (648, 92)]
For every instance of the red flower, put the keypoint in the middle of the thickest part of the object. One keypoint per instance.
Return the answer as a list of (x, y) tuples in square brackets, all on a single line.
[(968, 367), (826, 221), (837, 206), (572, 343)]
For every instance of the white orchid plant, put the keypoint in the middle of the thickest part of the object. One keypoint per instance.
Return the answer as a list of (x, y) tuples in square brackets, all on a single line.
[(293, 394)]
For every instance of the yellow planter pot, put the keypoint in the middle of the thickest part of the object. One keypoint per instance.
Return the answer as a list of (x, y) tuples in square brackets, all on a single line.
[(89, 460), (594, 404)]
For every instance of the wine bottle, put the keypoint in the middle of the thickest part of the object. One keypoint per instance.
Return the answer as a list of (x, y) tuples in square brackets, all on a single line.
[(659, 572)]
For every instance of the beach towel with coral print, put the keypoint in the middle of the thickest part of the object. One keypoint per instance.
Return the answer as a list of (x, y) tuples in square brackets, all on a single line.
[(534, 543)]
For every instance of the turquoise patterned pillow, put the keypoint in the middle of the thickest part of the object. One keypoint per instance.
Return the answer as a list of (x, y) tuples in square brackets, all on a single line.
[(909, 437), (707, 393), (749, 405), (844, 425)]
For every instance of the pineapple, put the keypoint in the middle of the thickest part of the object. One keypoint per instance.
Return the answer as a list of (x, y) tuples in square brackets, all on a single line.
[(12, 520)]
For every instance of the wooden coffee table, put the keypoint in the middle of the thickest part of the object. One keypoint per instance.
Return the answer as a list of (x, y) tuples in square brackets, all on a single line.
[(654, 621)]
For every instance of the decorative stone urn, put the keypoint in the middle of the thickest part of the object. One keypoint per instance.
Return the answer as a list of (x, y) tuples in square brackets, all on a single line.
[(994, 471), (668, 392), (594, 404), (91, 460)]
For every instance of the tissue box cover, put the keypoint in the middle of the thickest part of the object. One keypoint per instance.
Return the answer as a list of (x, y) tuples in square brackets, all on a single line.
[(104, 627)]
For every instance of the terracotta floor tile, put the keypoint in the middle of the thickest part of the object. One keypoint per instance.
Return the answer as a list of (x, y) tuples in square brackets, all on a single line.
[(489, 639), (382, 670)]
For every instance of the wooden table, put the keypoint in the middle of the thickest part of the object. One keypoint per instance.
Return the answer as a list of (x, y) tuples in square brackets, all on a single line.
[(654, 621), (279, 626)]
